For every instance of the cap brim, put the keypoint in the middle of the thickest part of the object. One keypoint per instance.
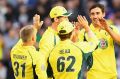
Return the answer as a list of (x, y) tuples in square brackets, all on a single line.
[(67, 14)]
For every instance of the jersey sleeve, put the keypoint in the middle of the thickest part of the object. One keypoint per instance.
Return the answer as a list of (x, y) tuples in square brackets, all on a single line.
[(93, 39), (40, 68), (90, 45), (45, 46), (87, 47)]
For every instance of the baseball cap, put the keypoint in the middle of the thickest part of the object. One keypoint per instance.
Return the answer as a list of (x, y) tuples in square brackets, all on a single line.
[(59, 11), (65, 27)]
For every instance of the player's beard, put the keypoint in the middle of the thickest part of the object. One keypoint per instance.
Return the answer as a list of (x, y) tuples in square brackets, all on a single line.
[(96, 21)]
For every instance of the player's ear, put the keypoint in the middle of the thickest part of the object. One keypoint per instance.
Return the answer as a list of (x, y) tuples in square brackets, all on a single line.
[(33, 38), (104, 14)]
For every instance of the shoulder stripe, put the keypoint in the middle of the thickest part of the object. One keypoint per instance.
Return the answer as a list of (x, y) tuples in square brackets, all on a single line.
[(80, 74), (77, 47)]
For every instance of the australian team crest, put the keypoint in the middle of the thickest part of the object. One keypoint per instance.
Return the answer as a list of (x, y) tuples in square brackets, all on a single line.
[(103, 43)]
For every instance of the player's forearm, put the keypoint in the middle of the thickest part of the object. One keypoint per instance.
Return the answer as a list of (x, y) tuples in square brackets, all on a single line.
[(74, 36), (91, 37), (89, 32), (115, 36)]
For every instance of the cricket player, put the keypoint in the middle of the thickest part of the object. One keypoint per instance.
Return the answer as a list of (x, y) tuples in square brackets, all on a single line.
[(65, 60), (104, 63), (27, 63), (50, 37)]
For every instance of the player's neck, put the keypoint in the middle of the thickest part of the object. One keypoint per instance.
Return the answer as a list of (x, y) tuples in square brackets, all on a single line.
[(27, 44), (96, 26)]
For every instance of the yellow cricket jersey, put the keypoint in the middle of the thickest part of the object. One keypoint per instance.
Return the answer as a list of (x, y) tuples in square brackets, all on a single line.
[(1, 51), (104, 63), (27, 62), (48, 41), (65, 60)]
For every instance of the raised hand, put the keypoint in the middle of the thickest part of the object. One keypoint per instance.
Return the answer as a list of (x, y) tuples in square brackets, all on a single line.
[(74, 36), (36, 21), (104, 24), (83, 22), (77, 25)]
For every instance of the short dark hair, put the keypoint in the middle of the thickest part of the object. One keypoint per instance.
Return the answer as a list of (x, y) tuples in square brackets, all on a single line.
[(65, 36), (99, 6)]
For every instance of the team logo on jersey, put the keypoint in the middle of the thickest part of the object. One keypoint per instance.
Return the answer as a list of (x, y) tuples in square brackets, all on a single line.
[(103, 43)]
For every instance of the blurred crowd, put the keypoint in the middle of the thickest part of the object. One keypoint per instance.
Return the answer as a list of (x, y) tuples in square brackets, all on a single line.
[(14, 14)]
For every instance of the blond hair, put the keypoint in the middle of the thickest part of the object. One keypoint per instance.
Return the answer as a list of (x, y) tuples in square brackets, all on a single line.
[(26, 33)]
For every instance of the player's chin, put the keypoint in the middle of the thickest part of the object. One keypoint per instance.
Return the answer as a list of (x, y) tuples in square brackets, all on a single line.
[(95, 22)]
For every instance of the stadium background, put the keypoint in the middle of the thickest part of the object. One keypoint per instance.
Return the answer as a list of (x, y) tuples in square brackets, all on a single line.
[(14, 14)]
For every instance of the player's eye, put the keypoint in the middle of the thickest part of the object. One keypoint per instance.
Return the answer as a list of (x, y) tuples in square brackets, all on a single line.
[(97, 13), (92, 13)]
